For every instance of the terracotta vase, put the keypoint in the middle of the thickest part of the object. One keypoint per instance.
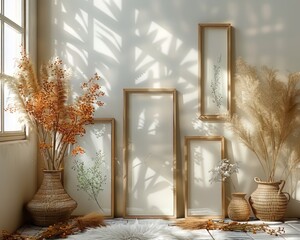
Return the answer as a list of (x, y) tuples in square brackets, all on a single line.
[(51, 203), (268, 202), (238, 208)]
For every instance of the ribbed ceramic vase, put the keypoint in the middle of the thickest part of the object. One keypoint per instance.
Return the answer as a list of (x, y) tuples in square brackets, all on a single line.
[(268, 202), (238, 208), (51, 204)]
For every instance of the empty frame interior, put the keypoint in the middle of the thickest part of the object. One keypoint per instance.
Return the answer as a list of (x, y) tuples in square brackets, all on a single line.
[(203, 198), (149, 153)]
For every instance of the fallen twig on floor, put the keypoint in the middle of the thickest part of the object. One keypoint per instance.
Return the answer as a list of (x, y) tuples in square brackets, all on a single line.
[(62, 229), (194, 224)]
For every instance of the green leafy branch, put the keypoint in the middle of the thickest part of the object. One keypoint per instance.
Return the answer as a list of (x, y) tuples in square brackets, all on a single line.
[(92, 179)]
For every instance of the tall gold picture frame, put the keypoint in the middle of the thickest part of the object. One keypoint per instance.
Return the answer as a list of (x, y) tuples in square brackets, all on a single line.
[(202, 198), (149, 153), (215, 50)]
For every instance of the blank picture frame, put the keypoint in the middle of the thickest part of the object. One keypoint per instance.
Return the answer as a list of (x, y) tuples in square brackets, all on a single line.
[(202, 198), (99, 136), (149, 185), (215, 70)]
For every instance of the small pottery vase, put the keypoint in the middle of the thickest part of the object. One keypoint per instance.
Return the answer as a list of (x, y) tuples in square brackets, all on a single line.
[(238, 208), (268, 202), (51, 204)]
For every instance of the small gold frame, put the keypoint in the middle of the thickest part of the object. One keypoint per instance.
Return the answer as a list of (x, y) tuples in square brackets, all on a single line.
[(99, 136), (202, 198), (215, 70)]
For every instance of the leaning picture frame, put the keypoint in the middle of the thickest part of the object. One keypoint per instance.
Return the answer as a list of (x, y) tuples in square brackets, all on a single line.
[(96, 165), (203, 199), (149, 185), (215, 58)]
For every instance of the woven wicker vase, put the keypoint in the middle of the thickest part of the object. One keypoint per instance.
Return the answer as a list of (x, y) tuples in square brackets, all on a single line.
[(51, 203), (268, 202), (238, 208)]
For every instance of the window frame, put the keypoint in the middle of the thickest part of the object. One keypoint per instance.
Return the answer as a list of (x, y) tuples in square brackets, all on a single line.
[(6, 136)]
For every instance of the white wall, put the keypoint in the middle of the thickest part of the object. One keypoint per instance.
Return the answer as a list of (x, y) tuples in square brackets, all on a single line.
[(18, 161), (17, 181), (140, 43)]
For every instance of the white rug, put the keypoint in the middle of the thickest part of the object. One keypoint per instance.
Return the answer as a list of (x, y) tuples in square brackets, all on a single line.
[(139, 231)]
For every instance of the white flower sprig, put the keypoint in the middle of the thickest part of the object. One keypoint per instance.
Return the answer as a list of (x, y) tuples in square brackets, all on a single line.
[(223, 170)]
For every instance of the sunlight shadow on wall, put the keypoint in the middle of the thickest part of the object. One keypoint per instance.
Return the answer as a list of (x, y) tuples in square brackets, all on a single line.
[(130, 49)]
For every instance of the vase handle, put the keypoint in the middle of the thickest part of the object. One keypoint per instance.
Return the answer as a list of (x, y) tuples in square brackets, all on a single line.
[(288, 196), (257, 179), (282, 182)]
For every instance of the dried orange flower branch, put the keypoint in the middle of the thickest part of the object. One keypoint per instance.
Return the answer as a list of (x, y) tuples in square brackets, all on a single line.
[(57, 119)]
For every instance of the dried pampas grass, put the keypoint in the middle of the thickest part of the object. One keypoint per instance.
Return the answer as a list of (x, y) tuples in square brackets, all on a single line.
[(268, 117), (90, 220), (193, 223)]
